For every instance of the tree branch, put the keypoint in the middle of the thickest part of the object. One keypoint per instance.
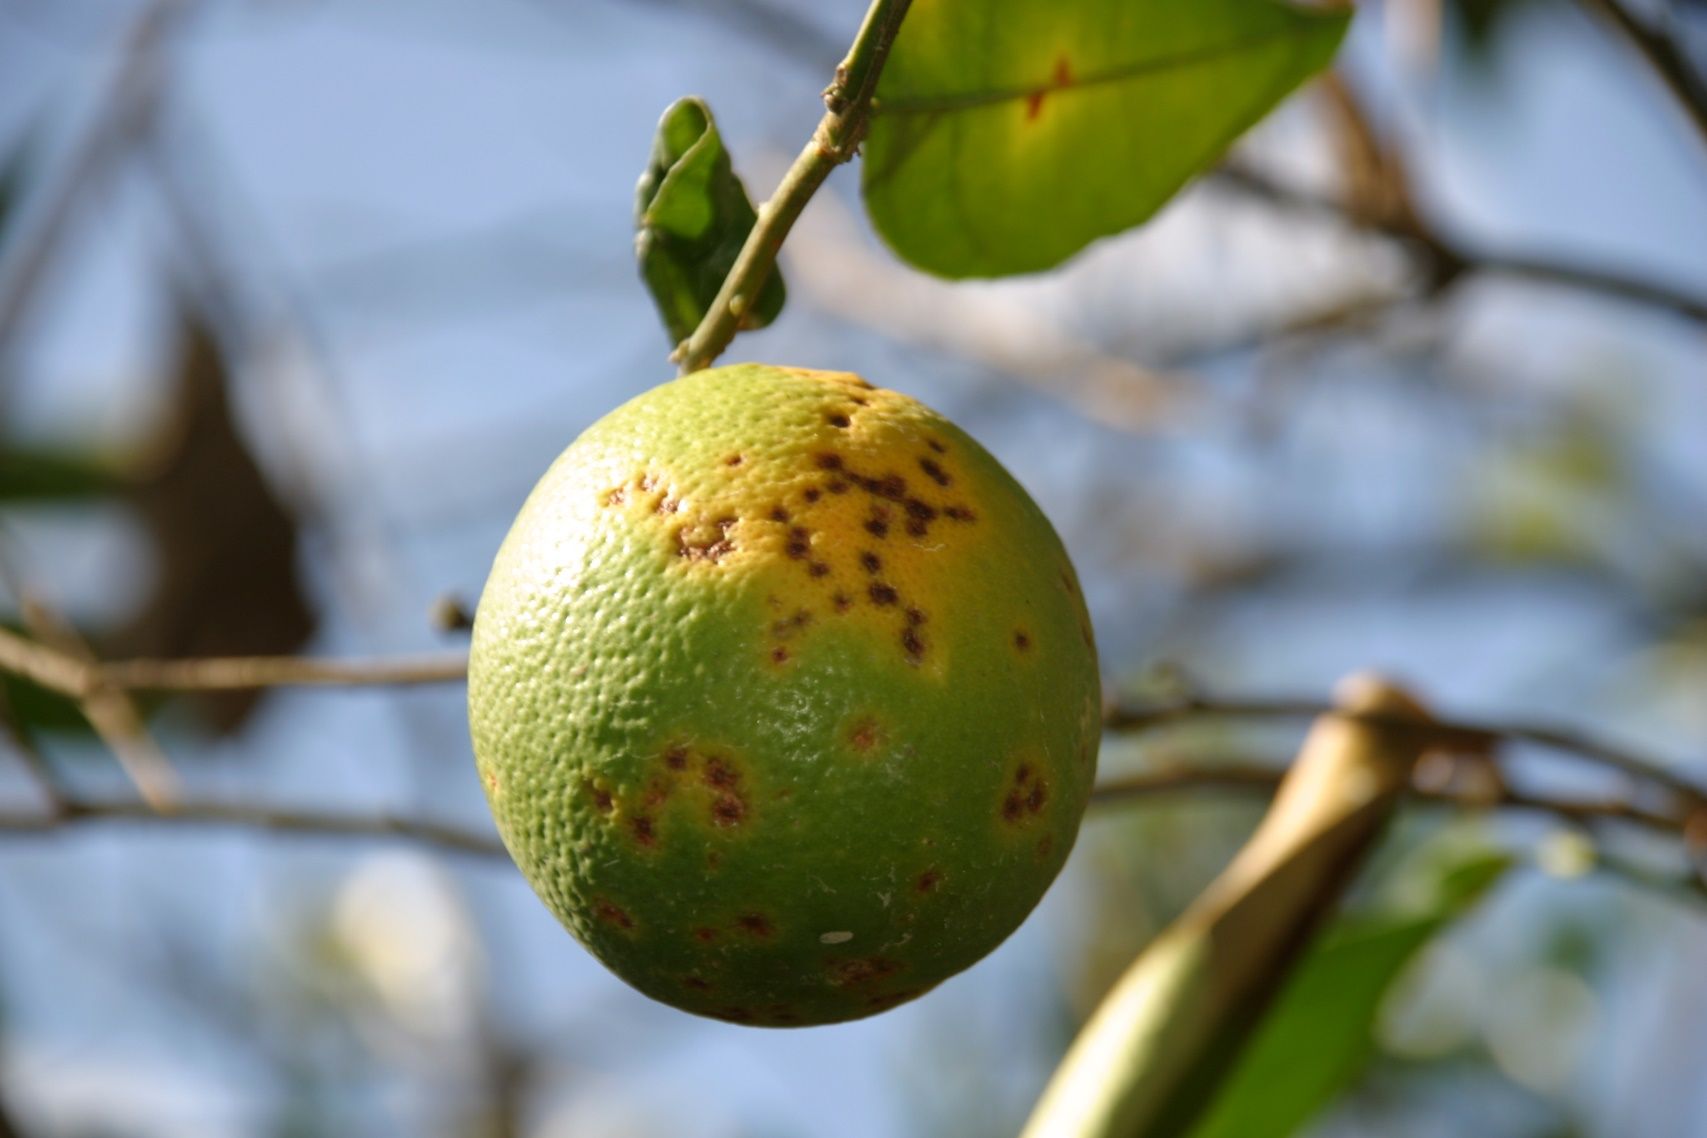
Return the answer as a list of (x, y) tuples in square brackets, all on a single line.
[(848, 103), (129, 103), (1462, 734), (1451, 259), (78, 679), (1664, 58), (80, 812)]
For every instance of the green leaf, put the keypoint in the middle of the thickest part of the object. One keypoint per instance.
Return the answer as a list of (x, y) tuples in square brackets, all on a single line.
[(1009, 134), (38, 474), (1318, 1036), (693, 215)]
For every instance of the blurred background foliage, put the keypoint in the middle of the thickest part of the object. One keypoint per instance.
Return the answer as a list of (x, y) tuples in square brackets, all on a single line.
[(335, 282)]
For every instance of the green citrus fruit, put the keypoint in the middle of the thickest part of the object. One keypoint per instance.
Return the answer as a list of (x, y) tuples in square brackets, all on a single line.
[(784, 696)]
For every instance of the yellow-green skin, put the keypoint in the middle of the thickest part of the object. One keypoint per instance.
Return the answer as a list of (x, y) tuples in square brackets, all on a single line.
[(784, 696)]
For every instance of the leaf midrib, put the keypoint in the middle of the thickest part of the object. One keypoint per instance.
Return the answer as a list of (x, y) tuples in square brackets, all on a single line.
[(972, 100)]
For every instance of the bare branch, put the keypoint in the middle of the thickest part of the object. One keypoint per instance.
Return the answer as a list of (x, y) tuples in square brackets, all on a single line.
[(1664, 57), (237, 815), (129, 104), (241, 673), (1462, 734), (1450, 259)]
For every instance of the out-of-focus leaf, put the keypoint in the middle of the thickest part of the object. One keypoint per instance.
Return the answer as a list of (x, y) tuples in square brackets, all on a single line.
[(1010, 134), (33, 474), (1153, 1058), (692, 215), (1319, 1034), (227, 580)]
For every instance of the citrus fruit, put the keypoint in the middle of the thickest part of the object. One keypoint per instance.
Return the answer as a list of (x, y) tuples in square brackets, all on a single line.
[(784, 696)]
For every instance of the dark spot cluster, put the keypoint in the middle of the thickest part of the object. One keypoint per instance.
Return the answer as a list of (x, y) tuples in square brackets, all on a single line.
[(854, 972), (1026, 798), (695, 543)]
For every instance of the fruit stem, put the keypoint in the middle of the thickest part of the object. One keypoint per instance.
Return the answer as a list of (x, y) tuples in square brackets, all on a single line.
[(847, 102)]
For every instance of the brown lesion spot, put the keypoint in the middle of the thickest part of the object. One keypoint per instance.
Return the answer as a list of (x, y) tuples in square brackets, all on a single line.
[(779, 655), (645, 831), (841, 602), (1026, 797), (706, 934), (778, 514), (958, 513), (827, 460), (936, 445), (733, 460), (856, 971), (934, 471), (913, 645), (676, 756), (792, 625), (728, 809), (929, 881), (702, 542), (865, 734), (883, 595), (696, 984), (613, 914), (720, 772), (1022, 639), (601, 798), (870, 562), (838, 419), (756, 925)]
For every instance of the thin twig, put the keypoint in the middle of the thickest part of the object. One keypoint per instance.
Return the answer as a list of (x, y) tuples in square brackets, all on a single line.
[(1262, 780), (1664, 57), (247, 673), (232, 814), (108, 709), (1469, 735), (848, 102), (1452, 259), (78, 679), (128, 105)]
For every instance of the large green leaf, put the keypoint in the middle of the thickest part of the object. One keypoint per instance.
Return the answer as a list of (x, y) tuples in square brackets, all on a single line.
[(693, 215), (1318, 1036), (1009, 134)]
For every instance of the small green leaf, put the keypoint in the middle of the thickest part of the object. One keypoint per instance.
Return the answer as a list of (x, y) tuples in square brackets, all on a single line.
[(40, 474), (1318, 1036), (693, 215), (1009, 134)]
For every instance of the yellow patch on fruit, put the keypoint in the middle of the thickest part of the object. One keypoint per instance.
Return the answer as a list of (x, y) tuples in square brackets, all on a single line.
[(784, 695)]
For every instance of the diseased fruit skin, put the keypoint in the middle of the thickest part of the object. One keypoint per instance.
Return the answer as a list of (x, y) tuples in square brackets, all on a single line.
[(784, 696)]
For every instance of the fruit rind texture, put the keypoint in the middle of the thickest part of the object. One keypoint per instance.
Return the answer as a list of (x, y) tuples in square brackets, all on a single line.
[(784, 696)]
